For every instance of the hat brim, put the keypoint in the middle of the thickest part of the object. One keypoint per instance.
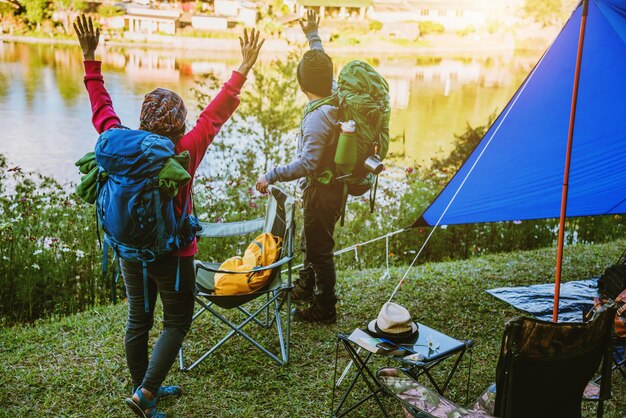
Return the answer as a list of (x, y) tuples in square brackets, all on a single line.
[(405, 337)]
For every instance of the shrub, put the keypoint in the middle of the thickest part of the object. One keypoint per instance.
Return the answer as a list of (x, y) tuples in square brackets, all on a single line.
[(48, 249), (428, 27), (375, 26), (109, 10)]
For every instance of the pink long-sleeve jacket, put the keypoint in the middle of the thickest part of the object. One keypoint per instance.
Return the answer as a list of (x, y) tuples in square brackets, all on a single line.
[(196, 141)]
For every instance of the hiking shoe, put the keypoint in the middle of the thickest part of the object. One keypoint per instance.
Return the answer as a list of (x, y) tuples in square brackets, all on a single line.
[(315, 313), (145, 408), (299, 294), (165, 392)]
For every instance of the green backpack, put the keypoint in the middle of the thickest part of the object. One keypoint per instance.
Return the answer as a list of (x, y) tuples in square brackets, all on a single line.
[(362, 95)]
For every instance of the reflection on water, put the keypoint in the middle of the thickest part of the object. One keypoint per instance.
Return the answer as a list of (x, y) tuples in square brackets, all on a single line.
[(46, 119)]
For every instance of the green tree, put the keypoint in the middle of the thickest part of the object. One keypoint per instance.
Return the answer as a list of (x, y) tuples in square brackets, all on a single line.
[(67, 11), (109, 10), (547, 12), (463, 146), (271, 109), (8, 8), (259, 135), (271, 17), (36, 11)]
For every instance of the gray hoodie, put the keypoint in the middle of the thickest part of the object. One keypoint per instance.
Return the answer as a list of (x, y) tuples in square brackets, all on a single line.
[(316, 140)]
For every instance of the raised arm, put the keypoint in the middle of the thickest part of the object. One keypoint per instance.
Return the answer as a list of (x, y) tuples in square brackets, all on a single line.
[(310, 27), (223, 104), (103, 114)]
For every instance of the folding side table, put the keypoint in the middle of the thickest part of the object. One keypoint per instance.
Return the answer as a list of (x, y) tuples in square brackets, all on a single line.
[(432, 347)]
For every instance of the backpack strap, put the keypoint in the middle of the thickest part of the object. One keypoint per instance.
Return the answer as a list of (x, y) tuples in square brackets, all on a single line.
[(316, 104), (373, 195), (180, 225), (160, 222), (344, 202), (105, 256), (146, 303), (115, 277)]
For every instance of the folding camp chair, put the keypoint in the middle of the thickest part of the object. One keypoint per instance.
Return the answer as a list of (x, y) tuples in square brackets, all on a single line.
[(544, 370), (279, 220)]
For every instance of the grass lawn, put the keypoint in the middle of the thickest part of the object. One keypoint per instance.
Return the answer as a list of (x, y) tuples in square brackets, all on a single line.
[(75, 366)]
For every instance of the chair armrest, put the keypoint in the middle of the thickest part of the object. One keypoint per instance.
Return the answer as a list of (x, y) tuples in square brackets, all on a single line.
[(278, 263), (230, 229)]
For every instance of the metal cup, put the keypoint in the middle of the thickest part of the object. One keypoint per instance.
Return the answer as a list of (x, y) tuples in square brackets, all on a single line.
[(373, 164)]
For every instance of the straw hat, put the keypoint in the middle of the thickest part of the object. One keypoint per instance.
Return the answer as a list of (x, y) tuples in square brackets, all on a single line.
[(394, 323)]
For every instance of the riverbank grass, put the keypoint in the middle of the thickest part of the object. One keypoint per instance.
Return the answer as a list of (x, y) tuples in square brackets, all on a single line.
[(75, 366)]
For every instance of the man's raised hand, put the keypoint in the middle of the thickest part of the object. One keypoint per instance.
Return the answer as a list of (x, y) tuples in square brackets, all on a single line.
[(87, 36), (312, 22)]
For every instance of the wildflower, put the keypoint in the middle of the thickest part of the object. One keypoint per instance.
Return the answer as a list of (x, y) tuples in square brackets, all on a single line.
[(409, 170), (80, 254), (433, 345), (38, 251), (517, 222), (36, 266)]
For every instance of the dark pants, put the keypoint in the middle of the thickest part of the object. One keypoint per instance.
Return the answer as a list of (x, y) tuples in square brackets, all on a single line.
[(321, 211), (177, 314)]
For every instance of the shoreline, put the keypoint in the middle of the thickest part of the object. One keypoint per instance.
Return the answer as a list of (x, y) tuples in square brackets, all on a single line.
[(436, 47)]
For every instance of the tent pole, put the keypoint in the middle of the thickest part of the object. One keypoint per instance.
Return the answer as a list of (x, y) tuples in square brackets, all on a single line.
[(570, 139)]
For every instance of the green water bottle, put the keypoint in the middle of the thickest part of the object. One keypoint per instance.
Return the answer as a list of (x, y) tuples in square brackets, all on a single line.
[(345, 155)]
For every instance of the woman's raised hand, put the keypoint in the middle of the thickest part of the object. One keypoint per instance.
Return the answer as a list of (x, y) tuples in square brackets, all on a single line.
[(250, 47), (87, 36)]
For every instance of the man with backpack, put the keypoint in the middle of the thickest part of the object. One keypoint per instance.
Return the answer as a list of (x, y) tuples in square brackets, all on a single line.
[(145, 161), (322, 204)]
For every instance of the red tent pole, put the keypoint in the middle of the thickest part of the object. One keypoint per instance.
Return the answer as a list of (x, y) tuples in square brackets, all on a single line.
[(568, 155)]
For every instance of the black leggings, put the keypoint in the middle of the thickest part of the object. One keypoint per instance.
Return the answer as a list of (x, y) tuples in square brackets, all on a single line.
[(177, 314)]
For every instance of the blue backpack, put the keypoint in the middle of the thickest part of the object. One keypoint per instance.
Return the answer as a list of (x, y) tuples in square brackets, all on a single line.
[(138, 220)]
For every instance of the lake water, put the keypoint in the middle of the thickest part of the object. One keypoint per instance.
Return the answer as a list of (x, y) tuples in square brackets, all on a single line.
[(45, 118)]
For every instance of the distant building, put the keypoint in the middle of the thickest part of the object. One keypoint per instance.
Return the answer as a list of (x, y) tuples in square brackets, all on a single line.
[(140, 20), (209, 22), (236, 11), (341, 8), (451, 14)]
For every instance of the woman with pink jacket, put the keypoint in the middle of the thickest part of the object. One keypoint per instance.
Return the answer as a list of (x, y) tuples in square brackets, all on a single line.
[(163, 112)]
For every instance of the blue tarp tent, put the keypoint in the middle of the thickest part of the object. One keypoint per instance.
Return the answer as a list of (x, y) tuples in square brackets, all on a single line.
[(516, 171)]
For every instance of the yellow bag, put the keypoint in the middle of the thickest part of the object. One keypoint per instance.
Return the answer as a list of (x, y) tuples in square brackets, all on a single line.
[(262, 252)]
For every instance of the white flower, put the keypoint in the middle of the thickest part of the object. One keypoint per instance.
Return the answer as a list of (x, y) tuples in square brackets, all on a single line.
[(36, 266), (65, 249), (38, 251), (80, 254), (433, 344)]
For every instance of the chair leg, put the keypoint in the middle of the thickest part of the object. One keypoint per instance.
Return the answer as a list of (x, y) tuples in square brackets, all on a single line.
[(181, 361), (237, 329)]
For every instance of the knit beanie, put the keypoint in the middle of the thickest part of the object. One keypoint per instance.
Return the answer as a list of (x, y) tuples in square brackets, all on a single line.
[(163, 112), (315, 73)]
